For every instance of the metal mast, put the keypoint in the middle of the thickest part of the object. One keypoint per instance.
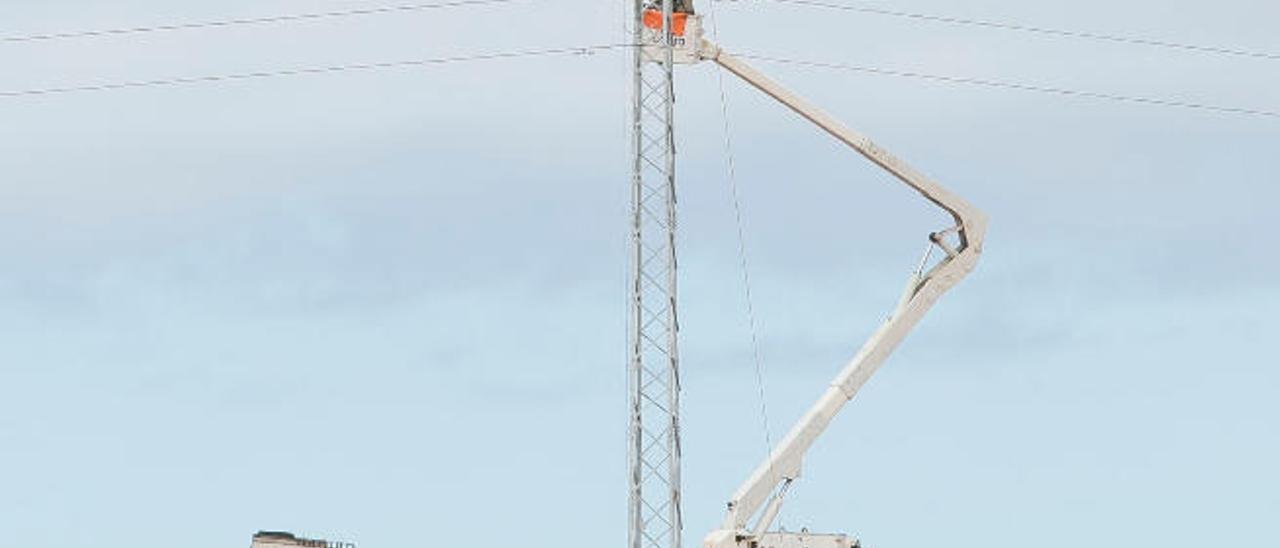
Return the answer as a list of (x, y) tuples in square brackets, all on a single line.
[(653, 368)]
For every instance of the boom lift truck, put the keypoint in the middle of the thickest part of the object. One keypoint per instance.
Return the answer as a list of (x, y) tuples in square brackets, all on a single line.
[(755, 505)]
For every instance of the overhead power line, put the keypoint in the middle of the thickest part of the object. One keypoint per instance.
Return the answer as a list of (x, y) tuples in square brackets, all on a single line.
[(586, 50), (286, 18), (111, 86), (1000, 25), (1015, 86)]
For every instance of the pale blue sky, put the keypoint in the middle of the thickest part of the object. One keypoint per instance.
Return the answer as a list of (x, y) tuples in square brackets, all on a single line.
[(389, 307)]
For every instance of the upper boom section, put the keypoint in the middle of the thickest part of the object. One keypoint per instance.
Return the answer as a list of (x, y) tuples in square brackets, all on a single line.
[(972, 221)]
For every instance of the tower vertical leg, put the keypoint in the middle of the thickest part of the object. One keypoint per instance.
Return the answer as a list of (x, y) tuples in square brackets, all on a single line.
[(653, 368)]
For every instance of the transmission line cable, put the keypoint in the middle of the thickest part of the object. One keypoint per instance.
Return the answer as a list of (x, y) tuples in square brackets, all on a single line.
[(587, 50), (287, 18), (1062, 33), (164, 82), (1016, 86)]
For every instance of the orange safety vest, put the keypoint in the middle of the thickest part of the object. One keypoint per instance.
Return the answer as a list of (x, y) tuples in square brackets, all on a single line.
[(653, 20)]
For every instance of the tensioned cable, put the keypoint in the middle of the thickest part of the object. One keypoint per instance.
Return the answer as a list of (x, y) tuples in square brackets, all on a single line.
[(1016, 86), (404, 8), (731, 165), (581, 50), (584, 50), (1062, 33)]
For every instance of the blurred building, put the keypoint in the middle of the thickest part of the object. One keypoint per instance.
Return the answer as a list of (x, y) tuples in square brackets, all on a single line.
[(280, 539)]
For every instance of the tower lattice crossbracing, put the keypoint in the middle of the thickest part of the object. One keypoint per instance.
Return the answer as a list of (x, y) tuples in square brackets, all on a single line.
[(653, 368)]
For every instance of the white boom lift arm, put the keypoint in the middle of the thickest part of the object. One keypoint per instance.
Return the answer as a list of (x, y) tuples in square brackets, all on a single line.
[(761, 495)]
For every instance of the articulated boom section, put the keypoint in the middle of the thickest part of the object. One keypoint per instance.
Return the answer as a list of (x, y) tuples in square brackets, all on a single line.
[(761, 496)]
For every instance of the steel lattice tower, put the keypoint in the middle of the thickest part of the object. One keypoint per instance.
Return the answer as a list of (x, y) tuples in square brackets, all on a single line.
[(653, 368)]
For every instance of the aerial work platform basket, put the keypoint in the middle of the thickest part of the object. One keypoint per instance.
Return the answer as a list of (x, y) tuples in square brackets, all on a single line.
[(686, 33)]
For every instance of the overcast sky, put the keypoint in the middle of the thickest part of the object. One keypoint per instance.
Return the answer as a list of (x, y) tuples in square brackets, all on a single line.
[(388, 307)]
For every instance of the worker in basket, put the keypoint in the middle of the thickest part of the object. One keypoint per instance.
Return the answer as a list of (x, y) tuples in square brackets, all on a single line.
[(680, 12)]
